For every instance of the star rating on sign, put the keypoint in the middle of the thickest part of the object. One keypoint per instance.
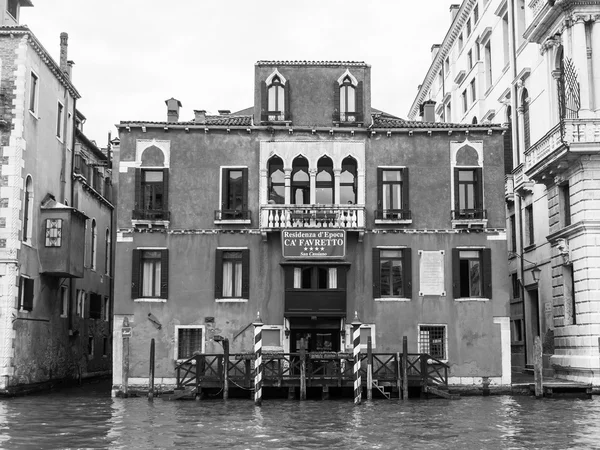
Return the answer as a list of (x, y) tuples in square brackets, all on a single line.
[(322, 248), (305, 248)]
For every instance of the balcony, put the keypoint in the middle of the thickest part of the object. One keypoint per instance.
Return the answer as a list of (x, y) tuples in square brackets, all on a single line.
[(276, 217), (347, 118), (509, 188), (315, 302), (150, 218), (469, 218), (393, 216), (232, 216), (554, 153)]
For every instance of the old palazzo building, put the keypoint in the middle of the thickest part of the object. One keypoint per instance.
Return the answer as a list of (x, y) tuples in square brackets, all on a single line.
[(307, 207), (55, 221), (534, 66)]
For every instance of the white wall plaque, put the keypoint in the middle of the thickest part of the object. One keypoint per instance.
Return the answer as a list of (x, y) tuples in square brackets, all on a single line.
[(431, 272)]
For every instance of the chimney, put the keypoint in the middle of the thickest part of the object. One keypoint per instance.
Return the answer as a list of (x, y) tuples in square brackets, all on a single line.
[(428, 111), (64, 37), (70, 64), (173, 106), (200, 116), (454, 11), (224, 112), (435, 48)]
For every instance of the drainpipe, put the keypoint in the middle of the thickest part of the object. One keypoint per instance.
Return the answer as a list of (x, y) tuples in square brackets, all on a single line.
[(522, 271), (71, 196)]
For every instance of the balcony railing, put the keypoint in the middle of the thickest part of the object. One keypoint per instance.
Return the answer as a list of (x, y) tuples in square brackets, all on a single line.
[(469, 214), (509, 188), (348, 117), (312, 216), (307, 302), (150, 214), (393, 214), (546, 145), (232, 214)]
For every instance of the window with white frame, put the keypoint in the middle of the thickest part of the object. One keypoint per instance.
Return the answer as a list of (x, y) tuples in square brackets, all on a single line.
[(150, 273), (189, 340), (60, 112), (232, 273), (472, 273), (34, 93), (432, 340), (367, 330), (272, 338)]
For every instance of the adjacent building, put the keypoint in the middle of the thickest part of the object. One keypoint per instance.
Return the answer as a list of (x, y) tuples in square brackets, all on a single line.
[(54, 207), (534, 67), (305, 208)]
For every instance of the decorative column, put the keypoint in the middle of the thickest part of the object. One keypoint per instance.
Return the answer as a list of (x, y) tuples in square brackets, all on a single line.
[(580, 58), (313, 186), (288, 185), (595, 47), (356, 353), (258, 324), (263, 188), (336, 186)]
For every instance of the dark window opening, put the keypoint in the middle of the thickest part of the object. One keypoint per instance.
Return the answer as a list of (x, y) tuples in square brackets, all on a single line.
[(25, 294), (189, 342), (276, 181)]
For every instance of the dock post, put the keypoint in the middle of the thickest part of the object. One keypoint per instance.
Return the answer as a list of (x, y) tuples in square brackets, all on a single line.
[(537, 367), (302, 370), (369, 369), (225, 369), (258, 324), (404, 368), (291, 393), (356, 353), (151, 373), (325, 393), (126, 332)]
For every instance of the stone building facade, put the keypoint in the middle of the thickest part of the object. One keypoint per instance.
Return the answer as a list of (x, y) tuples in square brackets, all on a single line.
[(534, 67)]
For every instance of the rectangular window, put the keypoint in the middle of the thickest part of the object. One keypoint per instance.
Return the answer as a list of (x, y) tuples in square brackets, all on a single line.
[(392, 273), (465, 102), (95, 306), (151, 194), (59, 120), (473, 91), (80, 310), (106, 309), (91, 346), (529, 228), (570, 307), (34, 93), (150, 273), (234, 194), (516, 287), (25, 294), (432, 340), (472, 273), (565, 204), (488, 64), (476, 13), (468, 194), (53, 232), (392, 194), (309, 277), (190, 340), (460, 42), (517, 330), (477, 51), (470, 59), (64, 301), (505, 32), (232, 274), (512, 229), (468, 27)]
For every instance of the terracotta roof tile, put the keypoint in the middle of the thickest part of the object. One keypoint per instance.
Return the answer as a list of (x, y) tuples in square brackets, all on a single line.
[(311, 63), (387, 122), (226, 120)]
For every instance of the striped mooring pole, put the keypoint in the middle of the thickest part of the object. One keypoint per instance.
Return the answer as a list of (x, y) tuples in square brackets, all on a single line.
[(356, 353), (258, 324)]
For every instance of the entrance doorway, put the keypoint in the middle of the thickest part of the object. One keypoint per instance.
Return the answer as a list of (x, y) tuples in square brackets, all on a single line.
[(320, 334)]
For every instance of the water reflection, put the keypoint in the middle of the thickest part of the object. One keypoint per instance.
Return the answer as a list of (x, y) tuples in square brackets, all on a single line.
[(89, 418)]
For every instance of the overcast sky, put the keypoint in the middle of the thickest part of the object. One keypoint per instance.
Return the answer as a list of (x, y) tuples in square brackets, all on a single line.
[(131, 55)]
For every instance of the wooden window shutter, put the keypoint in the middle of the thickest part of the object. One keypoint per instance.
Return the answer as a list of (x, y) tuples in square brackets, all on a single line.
[(287, 100), (28, 294), (336, 101), (405, 188), (376, 274), (165, 189), (264, 101), (508, 155), (359, 102), (456, 273), (135, 273), (379, 188), (164, 273), (289, 277), (487, 272), (245, 189), (479, 188), (456, 193), (407, 272), (219, 273), (139, 203), (246, 273), (224, 189)]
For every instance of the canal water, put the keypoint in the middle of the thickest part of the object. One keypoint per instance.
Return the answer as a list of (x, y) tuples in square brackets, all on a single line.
[(87, 417)]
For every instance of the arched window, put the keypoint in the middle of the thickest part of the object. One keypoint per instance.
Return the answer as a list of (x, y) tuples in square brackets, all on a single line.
[(525, 112), (348, 181), (300, 182), (325, 191), (276, 96), (27, 230), (347, 100), (107, 252), (94, 245), (276, 181), (474, 121)]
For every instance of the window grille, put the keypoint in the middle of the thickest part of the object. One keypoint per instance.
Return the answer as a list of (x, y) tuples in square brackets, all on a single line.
[(190, 341), (432, 340)]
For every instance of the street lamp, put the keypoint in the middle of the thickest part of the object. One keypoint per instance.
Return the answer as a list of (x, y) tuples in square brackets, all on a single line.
[(535, 273)]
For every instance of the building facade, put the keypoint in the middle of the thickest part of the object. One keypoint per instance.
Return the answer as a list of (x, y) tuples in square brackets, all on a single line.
[(534, 67), (303, 210), (44, 207)]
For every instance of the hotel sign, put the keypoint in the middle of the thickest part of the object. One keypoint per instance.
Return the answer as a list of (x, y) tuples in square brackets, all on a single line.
[(300, 243)]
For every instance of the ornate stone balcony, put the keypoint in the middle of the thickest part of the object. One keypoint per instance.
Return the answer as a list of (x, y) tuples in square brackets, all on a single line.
[(521, 182), (509, 188), (276, 217), (553, 153)]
